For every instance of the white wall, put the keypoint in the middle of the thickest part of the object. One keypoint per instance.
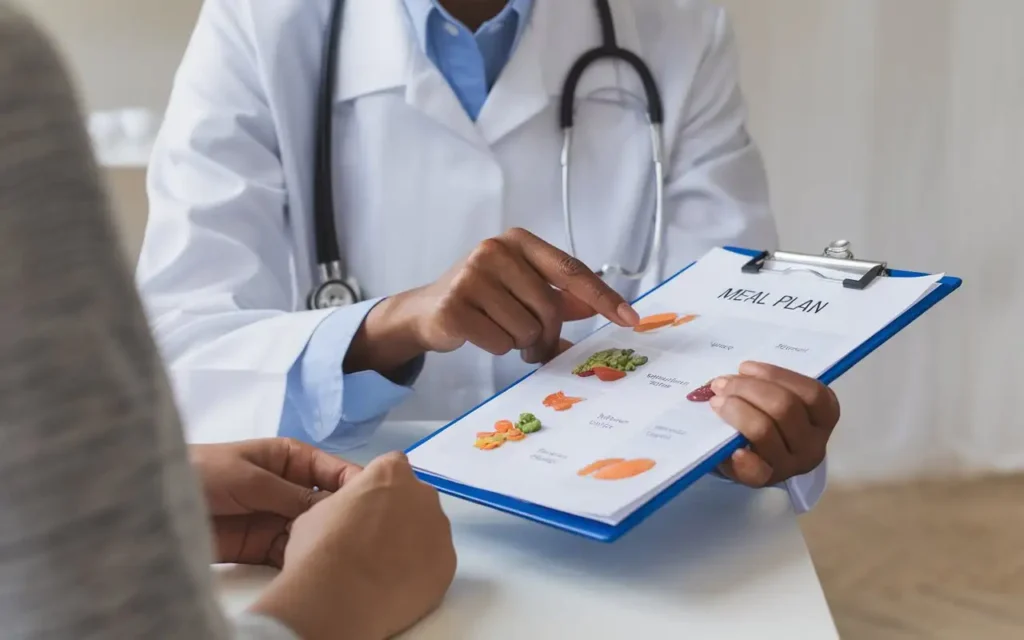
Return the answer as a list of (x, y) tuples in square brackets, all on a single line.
[(897, 124), (893, 124), (123, 53)]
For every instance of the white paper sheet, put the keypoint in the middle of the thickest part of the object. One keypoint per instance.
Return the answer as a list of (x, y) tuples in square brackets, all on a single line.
[(723, 318)]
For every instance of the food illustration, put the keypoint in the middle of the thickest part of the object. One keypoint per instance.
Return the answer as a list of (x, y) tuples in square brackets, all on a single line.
[(611, 364), (507, 431), (616, 468), (657, 321), (607, 374), (685, 319), (600, 464), (561, 402), (661, 320), (528, 423), (701, 394)]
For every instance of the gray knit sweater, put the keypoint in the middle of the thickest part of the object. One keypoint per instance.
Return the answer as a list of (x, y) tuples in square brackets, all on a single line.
[(103, 532)]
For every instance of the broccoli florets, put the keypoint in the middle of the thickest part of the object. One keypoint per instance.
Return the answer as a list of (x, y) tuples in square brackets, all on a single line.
[(528, 423)]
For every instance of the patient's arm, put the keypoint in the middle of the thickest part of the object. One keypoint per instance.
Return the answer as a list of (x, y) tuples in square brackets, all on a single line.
[(102, 529)]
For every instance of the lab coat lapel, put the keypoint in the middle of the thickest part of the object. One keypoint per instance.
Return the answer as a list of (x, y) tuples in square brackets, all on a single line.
[(379, 51), (520, 92), (429, 92), (375, 50), (558, 34)]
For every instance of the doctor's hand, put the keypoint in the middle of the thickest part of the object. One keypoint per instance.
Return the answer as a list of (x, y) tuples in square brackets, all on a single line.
[(787, 418), (513, 292), (256, 488), (367, 562)]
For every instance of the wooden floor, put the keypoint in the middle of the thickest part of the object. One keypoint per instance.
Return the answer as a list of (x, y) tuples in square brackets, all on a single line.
[(926, 561)]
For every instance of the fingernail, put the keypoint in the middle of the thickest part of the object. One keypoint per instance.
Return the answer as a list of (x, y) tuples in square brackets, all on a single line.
[(716, 402), (718, 384), (628, 314), (752, 369)]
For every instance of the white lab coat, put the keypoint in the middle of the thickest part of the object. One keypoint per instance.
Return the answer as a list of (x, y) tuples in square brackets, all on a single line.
[(228, 255)]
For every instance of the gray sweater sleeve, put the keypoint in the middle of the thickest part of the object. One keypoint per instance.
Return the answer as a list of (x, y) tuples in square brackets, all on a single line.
[(103, 532)]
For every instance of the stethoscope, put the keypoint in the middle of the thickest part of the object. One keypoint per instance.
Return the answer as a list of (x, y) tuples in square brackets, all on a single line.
[(337, 288)]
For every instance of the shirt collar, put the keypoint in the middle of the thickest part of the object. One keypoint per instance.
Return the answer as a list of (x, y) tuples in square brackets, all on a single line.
[(420, 10)]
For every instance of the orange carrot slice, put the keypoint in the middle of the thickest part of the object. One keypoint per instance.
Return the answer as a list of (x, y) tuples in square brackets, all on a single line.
[(657, 321), (515, 435), (566, 404), (600, 464), (684, 319), (658, 318), (626, 469), (644, 328), (486, 434), (554, 398), (501, 426)]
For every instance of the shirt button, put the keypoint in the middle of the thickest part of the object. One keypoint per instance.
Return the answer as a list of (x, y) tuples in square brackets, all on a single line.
[(451, 29)]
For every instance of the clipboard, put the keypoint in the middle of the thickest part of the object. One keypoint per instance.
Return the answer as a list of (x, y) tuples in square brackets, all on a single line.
[(837, 257)]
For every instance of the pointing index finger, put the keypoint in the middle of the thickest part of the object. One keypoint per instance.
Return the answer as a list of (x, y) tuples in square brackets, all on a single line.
[(571, 275)]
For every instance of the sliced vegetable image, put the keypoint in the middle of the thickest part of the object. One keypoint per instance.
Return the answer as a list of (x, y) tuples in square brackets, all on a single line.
[(528, 423), (662, 320), (561, 402), (657, 321), (701, 394), (600, 464), (607, 374), (620, 360), (616, 468), (623, 470), (507, 431), (684, 320)]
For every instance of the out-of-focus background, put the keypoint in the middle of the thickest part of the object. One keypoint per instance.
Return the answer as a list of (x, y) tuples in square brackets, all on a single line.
[(895, 124)]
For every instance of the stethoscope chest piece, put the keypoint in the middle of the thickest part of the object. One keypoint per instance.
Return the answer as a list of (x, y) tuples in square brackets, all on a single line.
[(333, 293), (334, 289)]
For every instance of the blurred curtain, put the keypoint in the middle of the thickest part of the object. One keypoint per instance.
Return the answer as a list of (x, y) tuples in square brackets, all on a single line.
[(897, 124)]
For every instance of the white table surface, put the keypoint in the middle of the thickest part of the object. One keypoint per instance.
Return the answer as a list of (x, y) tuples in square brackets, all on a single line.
[(719, 561)]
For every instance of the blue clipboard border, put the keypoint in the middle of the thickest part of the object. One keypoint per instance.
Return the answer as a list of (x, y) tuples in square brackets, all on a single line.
[(604, 532)]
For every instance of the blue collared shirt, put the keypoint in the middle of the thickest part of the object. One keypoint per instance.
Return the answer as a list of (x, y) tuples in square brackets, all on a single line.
[(470, 62), (338, 411)]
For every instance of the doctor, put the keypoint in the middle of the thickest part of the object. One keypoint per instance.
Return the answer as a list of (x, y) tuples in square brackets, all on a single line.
[(436, 145)]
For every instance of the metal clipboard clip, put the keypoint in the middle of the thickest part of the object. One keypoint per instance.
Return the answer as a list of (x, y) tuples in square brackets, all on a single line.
[(836, 257)]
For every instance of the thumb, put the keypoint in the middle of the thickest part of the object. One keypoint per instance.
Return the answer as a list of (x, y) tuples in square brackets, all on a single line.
[(268, 493), (747, 468)]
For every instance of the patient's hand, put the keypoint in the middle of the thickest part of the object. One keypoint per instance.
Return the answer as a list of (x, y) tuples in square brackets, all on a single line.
[(256, 488)]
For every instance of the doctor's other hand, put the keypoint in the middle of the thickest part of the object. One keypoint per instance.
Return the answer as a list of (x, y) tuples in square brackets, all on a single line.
[(367, 562), (788, 419), (514, 291), (254, 490)]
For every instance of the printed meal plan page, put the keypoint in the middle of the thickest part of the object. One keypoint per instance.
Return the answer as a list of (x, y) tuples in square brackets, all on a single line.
[(610, 423)]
